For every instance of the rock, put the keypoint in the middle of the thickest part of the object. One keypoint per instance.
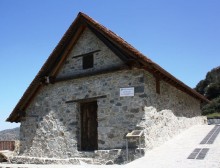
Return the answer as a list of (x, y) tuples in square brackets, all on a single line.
[(110, 162), (161, 126), (139, 89)]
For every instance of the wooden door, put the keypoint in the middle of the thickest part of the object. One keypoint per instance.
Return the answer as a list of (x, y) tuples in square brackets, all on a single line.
[(89, 134)]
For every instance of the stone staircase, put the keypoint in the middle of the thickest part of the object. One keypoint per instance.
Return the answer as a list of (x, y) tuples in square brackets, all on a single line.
[(99, 157)]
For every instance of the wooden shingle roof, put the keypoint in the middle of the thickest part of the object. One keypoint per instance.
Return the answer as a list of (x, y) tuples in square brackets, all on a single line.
[(59, 54)]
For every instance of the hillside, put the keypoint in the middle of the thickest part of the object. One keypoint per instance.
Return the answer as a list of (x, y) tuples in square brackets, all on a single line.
[(210, 88), (9, 134)]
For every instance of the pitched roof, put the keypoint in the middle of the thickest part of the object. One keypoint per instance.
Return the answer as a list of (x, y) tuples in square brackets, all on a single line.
[(54, 61)]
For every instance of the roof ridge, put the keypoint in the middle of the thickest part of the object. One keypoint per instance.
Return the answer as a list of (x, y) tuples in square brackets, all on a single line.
[(126, 44)]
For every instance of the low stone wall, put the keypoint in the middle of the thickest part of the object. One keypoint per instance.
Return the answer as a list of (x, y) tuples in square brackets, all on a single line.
[(213, 121), (161, 126), (38, 160)]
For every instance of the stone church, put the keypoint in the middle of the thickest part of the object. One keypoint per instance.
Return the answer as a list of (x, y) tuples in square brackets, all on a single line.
[(91, 92)]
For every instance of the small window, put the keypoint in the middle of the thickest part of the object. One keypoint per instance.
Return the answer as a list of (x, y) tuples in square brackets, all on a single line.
[(88, 61)]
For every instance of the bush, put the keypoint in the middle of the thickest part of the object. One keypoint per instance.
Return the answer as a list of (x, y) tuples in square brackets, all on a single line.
[(213, 107), (212, 91), (200, 87)]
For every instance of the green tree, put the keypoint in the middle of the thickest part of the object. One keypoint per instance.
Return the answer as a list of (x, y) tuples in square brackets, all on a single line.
[(200, 87), (210, 88), (213, 107), (212, 91)]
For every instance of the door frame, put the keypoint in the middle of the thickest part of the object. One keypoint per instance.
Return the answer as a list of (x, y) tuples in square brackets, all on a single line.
[(80, 141)]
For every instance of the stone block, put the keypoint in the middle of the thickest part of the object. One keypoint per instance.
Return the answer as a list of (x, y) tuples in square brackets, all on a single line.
[(139, 89), (118, 104), (135, 110), (143, 95)]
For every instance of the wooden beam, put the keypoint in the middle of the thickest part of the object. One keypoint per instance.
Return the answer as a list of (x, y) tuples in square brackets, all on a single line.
[(86, 99), (15, 117), (83, 55), (122, 55), (67, 50), (169, 81), (157, 85), (92, 73)]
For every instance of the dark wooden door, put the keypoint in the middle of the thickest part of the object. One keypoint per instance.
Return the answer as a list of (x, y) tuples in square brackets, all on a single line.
[(89, 135)]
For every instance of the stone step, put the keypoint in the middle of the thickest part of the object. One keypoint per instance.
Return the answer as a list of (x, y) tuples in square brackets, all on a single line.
[(35, 160)]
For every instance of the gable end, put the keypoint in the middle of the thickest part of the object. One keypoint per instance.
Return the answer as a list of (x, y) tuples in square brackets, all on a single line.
[(128, 54)]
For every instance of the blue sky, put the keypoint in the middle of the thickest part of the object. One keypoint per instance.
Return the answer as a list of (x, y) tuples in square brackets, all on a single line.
[(182, 36)]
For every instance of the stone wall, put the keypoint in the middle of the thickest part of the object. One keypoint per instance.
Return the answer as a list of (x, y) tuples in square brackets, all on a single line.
[(87, 43), (51, 126), (213, 121), (160, 126), (169, 98)]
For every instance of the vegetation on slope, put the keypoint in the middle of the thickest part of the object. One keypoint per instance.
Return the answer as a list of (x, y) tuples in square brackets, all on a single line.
[(210, 88)]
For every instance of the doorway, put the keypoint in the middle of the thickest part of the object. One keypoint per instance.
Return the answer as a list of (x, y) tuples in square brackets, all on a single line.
[(89, 124)]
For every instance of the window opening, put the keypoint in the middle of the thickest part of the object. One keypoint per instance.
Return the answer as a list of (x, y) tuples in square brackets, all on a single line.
[(88, 61)]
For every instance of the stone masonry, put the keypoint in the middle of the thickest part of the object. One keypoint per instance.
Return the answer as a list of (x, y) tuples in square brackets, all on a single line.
[(51, 127), (160, 126), (88, 42), (53, 124)]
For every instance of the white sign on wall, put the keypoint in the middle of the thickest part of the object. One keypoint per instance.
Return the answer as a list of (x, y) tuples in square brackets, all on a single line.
[(126, 92)]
